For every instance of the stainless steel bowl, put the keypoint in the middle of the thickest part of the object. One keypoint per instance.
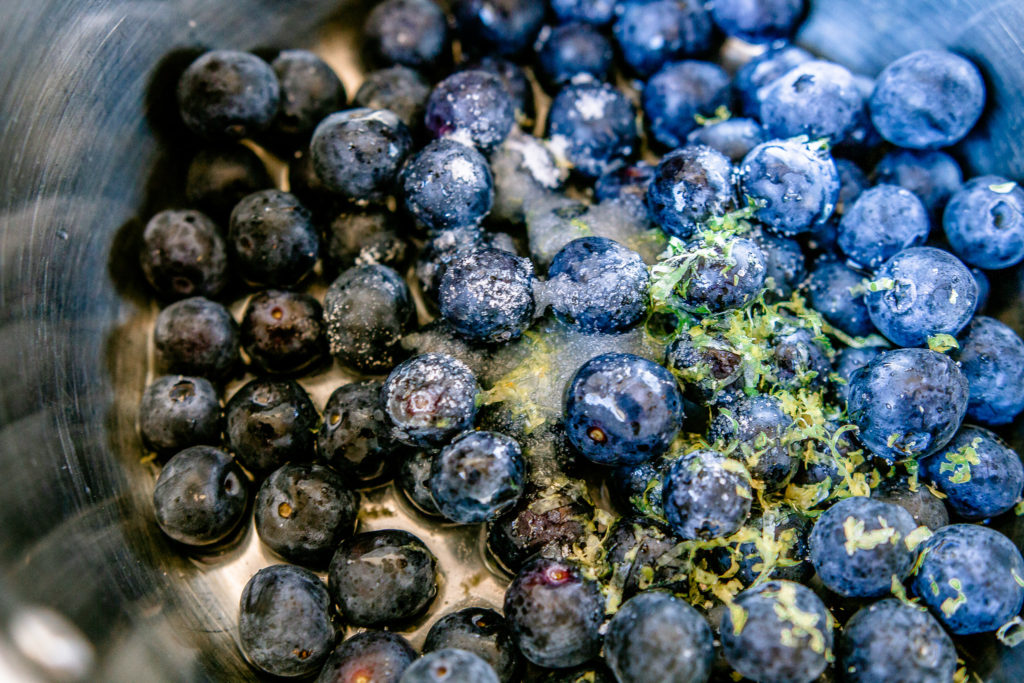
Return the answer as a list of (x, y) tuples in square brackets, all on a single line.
[(90, 148)]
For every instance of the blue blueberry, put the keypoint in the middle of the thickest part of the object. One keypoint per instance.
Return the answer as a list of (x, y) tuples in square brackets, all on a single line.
[(651, 33), (377, 656), (270, 423), (984, 288), (755, 428), (691, 186), (544, 523), (722, 276), (200, 496), (970, 578), (762, 70), (183, 254), (658, 632), (487, 295), (884, 220), (931, 175), (448, 185), (196, 337), (927, 99), (481, 631), (412, 33), (830, 289), (310, 90), (818, 99), (283, 332), (760, 21), (555, 613), (705, 495), (678, 93), (991, 356), (734, 137), (784, 264), (637, 555), (413, 479), (852, 184), (398, 89), (925, 507), (570, 50), (429, 399), (449, 666), (597, 12), (704, 369), (473, 107), (177, 412), (365, 237), (477, 477), (795, 184), (800, 358), (850, 360), (499, 27), (354, 436), (273, 239), (220, 177), (226, 94), (515, 80), (785, 533), (593, 125), (931, 293), (441, 250), (984, 222), (907, 403), (357, 153)]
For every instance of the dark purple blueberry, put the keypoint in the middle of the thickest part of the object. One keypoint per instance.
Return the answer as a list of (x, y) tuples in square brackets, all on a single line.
[(355, 437), (801, 359), (368, 657), (226, 94), (429, 399), (756, 427), (270, 423), (481, 631), (691, 186), (546, 525), (273, 239), (440, 251), (412, 33), (283, 332), (183, 254), (220, 177), (310, 90), (931, 175), (487, 295), (783, 533), (448, 185), (706, 495), (651, 33), (398, 89), (448, 665), (177, 412), (594, 125), (365, 237), (357, 153), (499, 27), (703, 369), (784, 261), (723, 275), (196, 337), (472, 107), (678, 94), (200, 496), (477, 477), (568, 51)]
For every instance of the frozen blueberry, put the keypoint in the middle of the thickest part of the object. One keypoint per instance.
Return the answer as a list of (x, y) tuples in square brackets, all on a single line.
[(760, 21), (884, 220), (651, 33), (570, 50), (377, 656), (413, 33), (270, 423), (441, 250), (801, 359), (487, 295), (357, 153), (365, 237), (755, 429), (448, 185), (473, 107), (762, 70), (303, 511), (413, 479), (226, 94), (734, 137), (273, 240), (546, 525), (500, 27), (515, 80), (991, 356), (284, 621), (638, 555), (450, 665), (851, 359), (183, 254), (477, 477), (778, 632), (429, 399), (398, 89), (200, 496), (177, 412), (310, 90), (927, 99), (705, 368), (481, 631), (597, 12), (984, 222), (382, 577), (931, 175), (594, 125), (691, 186), (784, 264), (220, 177), (355, 437), (283, 332), (196, 337), (706, 495), (818, 99), (907, 403), (925, 507), (555, 613), (835, 291), (722, 275), (778, 551), (931, 293), (970, 578)]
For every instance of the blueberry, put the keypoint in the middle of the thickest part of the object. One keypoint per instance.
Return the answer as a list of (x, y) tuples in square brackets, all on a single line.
[(358, 153), (658, 632), (892, 641), (365, 237), (377, 656), (177, 412), (755, 429), (734, 137), (270, 423), (931, 175), (200, 496), (413, 479), (515, 80), (778, 551), (355, 437), (778, 632), (626, 181), (691, 186), (978, 473), (984, 222), (638, 556), (310, 90), (196, 337), (882, 222), (473, 107), (565, 52), (477, 477), (273, 240), (220, 177), (499, 27), (440, 251), (907, 403), (304, 511), (225, 94), (448, 185), (481, 631), (398, 89), (818, 99), (651, 33), (597, 12), (760, 21), (970, 578), (283, 332), (183, 254), (706, 495), (429, 399), (555, 613), (784, 264), (594, 124), (927, 99), (382, 577), (795, 184), (852, 184), (412, 33), (762, 70), (925, 507), (722, 275), (487, 295), (984, 288), (305, 184), (450, 665), (991, 356), (851, 359), (801, 359), (703, 369), (546, 525), (931, 293), (284, 621)]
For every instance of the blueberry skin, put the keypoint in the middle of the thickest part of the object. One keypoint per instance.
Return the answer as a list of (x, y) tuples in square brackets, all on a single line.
[(443, 248), (785, 264), (378, 656), (487, 295), (861, 569), (852, 184), (797, 186), (907, 403), (703, 370), (850, 360), (570, 50), (429, 399), (196, 337), (932, 175), (551, 531), (477, 477), (626, 181), (448, 185), (987, 566), (993, 483), (515, 80), (924, 506), (482, 632), (703, 498), (991, 356), (723, 276), (690, 186), (783, 525), (733, 137), (358, 153), (273, 240), (382, 577), (367, 311), (652, 33), (595, 124), (177, 412), (884, 221), (473, 107), (635, 547), (761, 21), (303, 511), (225, 94), (762, 70), (800, 359), (984, 288), (449, 664), (283, 332), (498, 27), (284, 621), (829, 289), (398, 89), (183, 254), (818, 99), (270, 423), (984, 227), (200, 496), (555, 613), (412, 33), (365, 237), (755, 426), (310, 90), (932, 293), (220, 177), (597, 12), (891, 641), (413, 479), (355, 437), (621, 409)]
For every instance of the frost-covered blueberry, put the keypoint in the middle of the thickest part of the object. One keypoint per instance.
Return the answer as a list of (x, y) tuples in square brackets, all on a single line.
[(991, 356), (487, 295), (594, 125), (569, 50), (883, 221), (515, 80), (818, 99), (690, 186), (674, 97), (706, 495), (755, 428), (429, 399), (447, 185), (473, 107), (357, 153), (365, 237), (984, 222)]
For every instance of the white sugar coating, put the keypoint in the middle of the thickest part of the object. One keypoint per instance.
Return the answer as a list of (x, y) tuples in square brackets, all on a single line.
[(462, 169), (591, 105), (537, 160), (524, 172)]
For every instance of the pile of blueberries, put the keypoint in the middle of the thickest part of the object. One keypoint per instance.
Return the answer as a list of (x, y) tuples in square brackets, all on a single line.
[(745, 305)]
